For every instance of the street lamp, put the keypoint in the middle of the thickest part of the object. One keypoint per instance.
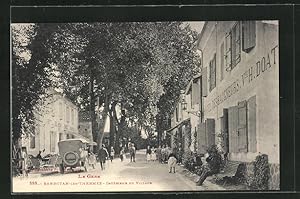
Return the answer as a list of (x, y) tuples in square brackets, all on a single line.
[(183, 104), (184, 107)]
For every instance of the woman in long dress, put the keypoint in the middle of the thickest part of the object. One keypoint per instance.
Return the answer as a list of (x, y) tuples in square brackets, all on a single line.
[(148, 153), (25, 162), (153, 154)]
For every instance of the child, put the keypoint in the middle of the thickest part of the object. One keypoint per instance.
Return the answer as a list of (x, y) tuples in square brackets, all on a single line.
[(153, 154), (122, 153), (112, 153), (172, 162)]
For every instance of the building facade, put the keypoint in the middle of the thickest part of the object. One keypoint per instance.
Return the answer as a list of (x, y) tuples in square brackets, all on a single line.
[(57, 120), (241, 87), (236, 94), (186, 117)]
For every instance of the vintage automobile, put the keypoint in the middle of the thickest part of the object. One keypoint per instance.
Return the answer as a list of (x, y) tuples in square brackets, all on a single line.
[(73, 153)]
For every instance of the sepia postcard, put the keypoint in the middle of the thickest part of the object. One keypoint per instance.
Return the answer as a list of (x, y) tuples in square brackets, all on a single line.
[(145, 106)]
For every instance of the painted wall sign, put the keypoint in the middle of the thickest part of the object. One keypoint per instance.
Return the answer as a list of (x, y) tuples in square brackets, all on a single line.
[(251, 74)]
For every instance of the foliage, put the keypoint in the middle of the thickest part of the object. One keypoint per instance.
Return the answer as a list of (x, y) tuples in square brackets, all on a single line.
[(187, 157), (103, 67), (31, 72), (261, 173), (130, 64)]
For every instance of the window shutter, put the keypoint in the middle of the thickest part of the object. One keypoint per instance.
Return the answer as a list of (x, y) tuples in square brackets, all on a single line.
[(201, 138), (233, 46), (222, 61), (196, 91), (232, 128), (252, 124), (214, 81), (212, 73), (238, 43), (210, 132), (204, 82), (252, 40), (242, 127), (249, 35), (228, 50), (245, 35), (224, 129)]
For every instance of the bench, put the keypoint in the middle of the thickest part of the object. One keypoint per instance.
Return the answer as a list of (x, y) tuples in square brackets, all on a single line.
[(233, 172)]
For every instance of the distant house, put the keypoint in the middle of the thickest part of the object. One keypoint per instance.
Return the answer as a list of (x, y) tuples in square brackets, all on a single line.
[(85, 126), (185, 119), (57, 120)]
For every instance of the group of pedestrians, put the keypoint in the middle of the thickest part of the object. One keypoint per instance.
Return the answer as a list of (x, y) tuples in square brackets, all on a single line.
[(161, 153), (151, 154), (164, 154), (104, 154)]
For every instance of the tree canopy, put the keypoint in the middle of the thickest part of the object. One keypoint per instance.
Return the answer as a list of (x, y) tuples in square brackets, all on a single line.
[(140, 67)]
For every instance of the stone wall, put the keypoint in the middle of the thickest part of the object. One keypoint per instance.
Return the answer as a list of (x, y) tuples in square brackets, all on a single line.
[(274, 176), (274, 180)]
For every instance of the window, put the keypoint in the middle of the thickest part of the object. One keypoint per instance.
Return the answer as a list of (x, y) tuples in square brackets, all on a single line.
[(236, 44), (53, 141), (68, 114), (190, 94), (212, 73), (222, 59), (195, 92), (32, 141), (72, 116), (204, 82), (33, 136), (248, 35), (75, 116), (60, 111), (233, 47)]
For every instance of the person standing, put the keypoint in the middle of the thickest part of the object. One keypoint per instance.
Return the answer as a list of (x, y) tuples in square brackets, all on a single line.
[(132, 151), (112, 153), (172, 162), (163, 153), (148, 153), (25, 162), (153, 154), (158, 151), (122, 153), (102, 155)]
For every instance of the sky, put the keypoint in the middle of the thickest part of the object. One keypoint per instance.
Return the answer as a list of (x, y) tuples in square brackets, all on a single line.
[(196, 25)]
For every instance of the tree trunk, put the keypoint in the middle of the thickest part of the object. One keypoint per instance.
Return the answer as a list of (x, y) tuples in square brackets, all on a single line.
[(92, 107), (111, 128), (102, 127)]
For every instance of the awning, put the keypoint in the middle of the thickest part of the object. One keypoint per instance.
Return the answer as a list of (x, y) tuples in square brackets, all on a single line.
[(179, 124)]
